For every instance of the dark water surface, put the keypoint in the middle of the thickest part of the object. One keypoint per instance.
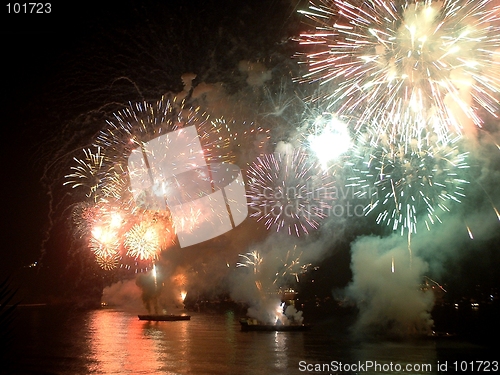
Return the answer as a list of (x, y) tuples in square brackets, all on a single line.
[(50, 340)]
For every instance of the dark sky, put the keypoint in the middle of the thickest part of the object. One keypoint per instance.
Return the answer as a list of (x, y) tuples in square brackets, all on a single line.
[(35, 48), (60, 68), (32, 45)]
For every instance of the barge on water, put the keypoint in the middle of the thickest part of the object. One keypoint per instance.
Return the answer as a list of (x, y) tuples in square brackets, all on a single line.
[(164, 317), (253, 325)]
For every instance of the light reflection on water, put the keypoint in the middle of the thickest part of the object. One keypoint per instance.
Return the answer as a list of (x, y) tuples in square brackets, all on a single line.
[(114, 342), (113, 338)]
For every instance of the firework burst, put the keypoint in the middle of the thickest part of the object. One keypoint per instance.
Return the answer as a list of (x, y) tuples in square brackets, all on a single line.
[(273, 271), (108, 262), (411, 183), (142, 241), (289, 192), (130, 129), (326, 136), (438, 59), (104, 241), (117, 228), (142, 121)]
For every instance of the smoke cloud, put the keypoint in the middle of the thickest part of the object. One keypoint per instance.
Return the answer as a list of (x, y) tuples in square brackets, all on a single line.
[(386, 288), (125, 295)]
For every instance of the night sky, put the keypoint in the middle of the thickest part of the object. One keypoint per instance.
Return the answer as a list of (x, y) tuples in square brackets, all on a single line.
[(65, 72)]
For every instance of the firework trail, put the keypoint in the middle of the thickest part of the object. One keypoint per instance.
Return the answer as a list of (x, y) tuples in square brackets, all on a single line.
[(272, 272), (288, 192), (251, 260), (291, 266), (86, 173), (403, 58), (279, 103), (254, 261)]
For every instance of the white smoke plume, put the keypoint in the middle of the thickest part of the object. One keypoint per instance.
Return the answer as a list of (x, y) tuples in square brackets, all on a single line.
[(385, 288), (125, 295)]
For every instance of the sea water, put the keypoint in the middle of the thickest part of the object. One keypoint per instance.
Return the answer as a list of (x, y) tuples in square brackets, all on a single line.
[(53, 340)]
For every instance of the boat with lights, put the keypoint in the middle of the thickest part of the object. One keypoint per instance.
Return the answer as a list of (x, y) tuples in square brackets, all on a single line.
[(164, 317), (254, 325)]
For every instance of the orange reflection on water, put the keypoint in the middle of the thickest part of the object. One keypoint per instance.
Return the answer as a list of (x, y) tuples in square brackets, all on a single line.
[(118, 345), (170, 342)]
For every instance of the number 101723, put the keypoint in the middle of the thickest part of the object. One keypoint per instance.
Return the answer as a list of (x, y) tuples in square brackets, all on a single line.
[(28, 8)]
